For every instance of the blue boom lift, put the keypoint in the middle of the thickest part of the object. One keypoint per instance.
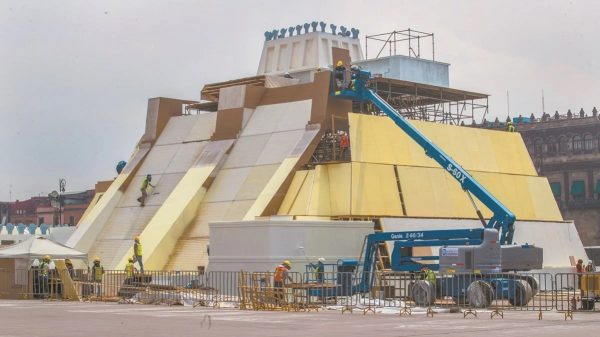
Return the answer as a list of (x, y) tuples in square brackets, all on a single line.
[(474, 256)]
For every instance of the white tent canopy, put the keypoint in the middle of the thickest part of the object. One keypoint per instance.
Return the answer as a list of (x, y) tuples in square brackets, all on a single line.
[(36, 247)]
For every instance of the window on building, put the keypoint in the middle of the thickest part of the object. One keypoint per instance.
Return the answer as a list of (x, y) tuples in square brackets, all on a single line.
[(563, 144), (71, 220), (556, 189), (538, 146), (588, 143), (577, 143), (40, 220), (529, 146), (578, 189), (552, 145), (597, 189)]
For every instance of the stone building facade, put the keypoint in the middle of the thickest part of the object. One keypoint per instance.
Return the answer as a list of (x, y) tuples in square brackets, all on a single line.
[(38, 210), (566, 149)]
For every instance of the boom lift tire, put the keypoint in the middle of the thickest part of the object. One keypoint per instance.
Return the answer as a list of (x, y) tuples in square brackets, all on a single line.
[(480, 294), (521, 293), (534, 284), (423, 293)]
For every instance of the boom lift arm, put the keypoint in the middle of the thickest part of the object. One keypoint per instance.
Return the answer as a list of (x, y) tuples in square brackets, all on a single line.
[(502, 219)]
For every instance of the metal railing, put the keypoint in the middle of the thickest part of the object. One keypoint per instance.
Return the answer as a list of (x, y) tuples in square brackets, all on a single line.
[(345, 291)]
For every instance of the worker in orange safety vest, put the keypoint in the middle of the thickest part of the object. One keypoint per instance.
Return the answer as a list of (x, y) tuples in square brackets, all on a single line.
[(282, 275)]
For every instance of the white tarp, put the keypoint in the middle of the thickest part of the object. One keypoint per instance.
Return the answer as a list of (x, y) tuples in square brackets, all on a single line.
[(36, 247)]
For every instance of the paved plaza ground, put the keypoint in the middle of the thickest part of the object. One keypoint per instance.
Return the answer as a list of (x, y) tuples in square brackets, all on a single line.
[(68, 319)]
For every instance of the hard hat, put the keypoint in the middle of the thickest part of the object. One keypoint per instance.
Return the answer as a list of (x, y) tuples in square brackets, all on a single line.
[(321, 259), (137, 238), (287, 73), (589, 262), (509, 123), (287, 264), (46, 257), (96, 259), (130, 259), (339, 64), (149, 177)]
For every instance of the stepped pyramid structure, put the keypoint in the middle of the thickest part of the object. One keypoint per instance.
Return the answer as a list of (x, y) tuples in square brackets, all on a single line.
[(262, 150)]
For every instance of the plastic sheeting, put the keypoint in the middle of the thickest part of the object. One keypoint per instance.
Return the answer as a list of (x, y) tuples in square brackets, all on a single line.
[(376, 139)]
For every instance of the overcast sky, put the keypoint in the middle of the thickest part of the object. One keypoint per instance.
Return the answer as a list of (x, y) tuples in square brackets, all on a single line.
[(75, 76)]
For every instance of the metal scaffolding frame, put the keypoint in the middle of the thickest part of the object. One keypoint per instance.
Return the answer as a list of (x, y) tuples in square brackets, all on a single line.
[(429, 103), (410, 37)]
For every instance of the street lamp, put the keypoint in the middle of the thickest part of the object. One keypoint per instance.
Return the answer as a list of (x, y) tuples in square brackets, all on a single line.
[(57, 199), (62, 183)]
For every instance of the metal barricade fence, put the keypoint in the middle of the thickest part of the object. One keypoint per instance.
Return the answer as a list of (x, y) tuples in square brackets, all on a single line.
[(407, 291), (13, 283), (348, 291), (577, 292), (259, 291), (172, 287), (485, 292), (34, 283)]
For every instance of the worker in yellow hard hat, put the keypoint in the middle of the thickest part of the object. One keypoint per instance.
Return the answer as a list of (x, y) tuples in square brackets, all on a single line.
[(428, 274), (129, 271), (43, 271), (69, 266), (339, 75), (282, 274), (319, 268), (144, 189), (137, 252), (510, 127), (97, 274), (279, 280)]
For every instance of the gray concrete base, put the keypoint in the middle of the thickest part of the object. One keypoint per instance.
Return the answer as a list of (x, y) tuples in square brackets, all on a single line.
[(67, 319)]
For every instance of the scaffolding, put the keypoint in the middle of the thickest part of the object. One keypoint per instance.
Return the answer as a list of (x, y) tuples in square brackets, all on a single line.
[(397, 40), (415, 100), (425, 102)]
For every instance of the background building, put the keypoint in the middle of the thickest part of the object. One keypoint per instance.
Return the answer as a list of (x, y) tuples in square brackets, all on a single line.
[(39, 210), (4, 211), (565, 148)]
